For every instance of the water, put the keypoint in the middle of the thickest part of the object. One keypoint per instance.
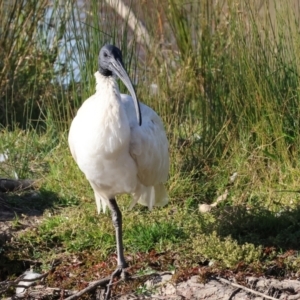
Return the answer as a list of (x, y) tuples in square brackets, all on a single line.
[(54, 35), (69, 58)]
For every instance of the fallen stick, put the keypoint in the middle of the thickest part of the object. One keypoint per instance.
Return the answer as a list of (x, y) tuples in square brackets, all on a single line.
[(245, 288), (102, 282), (5, 285)]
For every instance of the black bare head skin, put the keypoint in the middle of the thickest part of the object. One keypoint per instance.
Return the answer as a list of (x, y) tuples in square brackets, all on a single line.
[(108, 55), (110, 63)]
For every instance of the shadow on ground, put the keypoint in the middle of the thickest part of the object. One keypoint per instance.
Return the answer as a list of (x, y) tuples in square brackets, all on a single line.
[(19, 211), (260, 226), (25, 204)]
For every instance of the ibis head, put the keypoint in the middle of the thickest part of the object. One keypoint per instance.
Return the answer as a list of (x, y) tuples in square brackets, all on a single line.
[(111, 63)]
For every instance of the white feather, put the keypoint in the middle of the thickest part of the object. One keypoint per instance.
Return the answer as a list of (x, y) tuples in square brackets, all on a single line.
[(117, 155)]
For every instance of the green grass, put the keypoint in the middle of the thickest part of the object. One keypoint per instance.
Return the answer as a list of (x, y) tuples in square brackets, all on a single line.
[(229, 99)]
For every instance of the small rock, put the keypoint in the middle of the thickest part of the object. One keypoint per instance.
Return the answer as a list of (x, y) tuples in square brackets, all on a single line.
[(28, 275), (157, 280), (204, 208)]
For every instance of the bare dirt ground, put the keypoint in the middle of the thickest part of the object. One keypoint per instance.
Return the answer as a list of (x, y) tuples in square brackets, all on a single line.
[(214, 289), (16, 217)]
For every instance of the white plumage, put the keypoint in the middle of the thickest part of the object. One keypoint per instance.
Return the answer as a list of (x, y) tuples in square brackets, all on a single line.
[(120, 145), (116, 154)]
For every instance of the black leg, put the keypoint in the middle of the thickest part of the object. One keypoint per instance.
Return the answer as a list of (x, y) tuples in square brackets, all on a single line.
[(117, 222)]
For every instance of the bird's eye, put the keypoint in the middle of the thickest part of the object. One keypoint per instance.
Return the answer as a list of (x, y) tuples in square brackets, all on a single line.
[(105, 54)]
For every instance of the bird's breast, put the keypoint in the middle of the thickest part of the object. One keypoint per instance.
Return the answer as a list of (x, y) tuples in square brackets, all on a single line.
[(99, 140), (104, 127)]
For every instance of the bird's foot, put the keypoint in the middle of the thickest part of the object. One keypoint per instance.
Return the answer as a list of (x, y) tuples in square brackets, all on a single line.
[(119, 272)]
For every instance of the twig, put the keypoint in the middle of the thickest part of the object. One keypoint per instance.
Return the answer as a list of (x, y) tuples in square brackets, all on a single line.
[(33, 279), (102, 282), (245, 288), (20, 278), (41, 292), (5, 285)]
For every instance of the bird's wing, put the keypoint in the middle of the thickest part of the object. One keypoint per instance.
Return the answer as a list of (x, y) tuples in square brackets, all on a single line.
[(77, 128), (148, 144)]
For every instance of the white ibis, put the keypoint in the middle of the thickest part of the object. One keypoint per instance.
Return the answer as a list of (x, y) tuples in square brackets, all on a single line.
[(120, 145)]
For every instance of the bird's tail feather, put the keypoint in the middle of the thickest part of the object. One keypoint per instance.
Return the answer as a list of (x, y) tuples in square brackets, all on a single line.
[(161, 195), (101, 204), (100, 201), (150, 196)]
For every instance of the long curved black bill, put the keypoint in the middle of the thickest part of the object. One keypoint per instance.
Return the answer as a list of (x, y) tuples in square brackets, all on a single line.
[(119, 70)]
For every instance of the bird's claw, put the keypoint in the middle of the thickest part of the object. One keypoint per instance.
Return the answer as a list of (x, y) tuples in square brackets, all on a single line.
[(119, 272)]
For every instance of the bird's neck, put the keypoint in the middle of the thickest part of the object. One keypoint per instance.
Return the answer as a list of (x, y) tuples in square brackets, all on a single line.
[(111, 117), (105, 83), (105, 72)]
